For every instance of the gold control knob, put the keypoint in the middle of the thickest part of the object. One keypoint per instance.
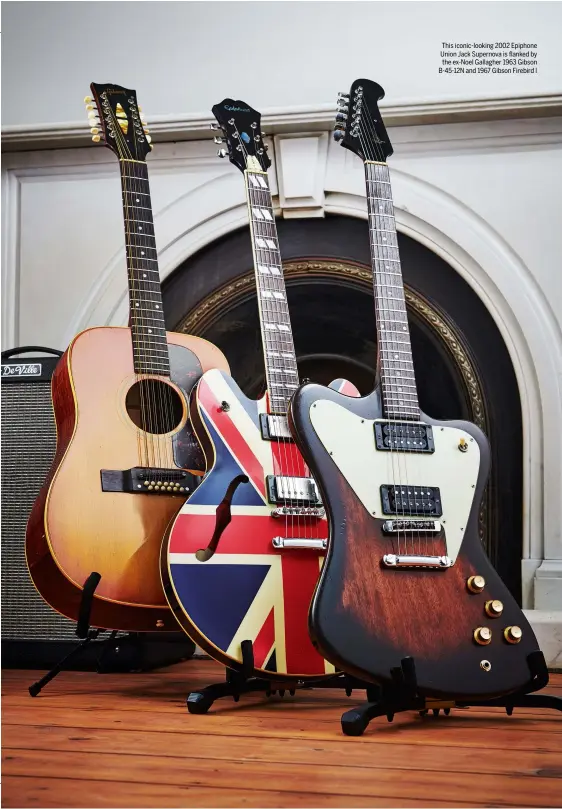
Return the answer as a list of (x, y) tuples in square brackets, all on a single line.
[(463, 446), (493, 608), (513, 634), (483, 635), (476, 584)]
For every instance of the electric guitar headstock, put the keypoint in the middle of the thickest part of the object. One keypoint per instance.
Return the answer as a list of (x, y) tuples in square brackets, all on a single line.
[(240, 128), (359, 126), (117, 121)]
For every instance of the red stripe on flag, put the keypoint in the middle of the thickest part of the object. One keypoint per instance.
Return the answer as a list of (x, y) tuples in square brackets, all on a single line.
[(288, 460), (264, 641), (226, 427), (300, 574), (249, 533)]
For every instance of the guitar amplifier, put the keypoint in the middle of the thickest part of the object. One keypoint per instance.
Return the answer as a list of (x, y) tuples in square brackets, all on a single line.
[(33, 634)]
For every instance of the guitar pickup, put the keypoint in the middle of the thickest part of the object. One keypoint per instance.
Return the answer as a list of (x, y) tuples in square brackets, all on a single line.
[(274, 428), (143, 480), (403, 436), (413, 501), (304, 544), (281, 488), (422, 526)]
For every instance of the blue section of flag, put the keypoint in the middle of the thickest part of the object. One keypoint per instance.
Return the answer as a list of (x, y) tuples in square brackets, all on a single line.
[(213, 488), (218, 597)]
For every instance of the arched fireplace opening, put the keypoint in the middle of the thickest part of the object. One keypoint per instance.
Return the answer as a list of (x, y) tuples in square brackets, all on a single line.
[(463, 368)]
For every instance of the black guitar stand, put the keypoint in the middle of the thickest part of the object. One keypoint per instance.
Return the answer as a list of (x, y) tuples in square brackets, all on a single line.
[(402, 695), (83, 631), (244, 681)]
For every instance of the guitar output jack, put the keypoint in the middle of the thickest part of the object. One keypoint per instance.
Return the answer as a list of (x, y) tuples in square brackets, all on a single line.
[(485, 665)]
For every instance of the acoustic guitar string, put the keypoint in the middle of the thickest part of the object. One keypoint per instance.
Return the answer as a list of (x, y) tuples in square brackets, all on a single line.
[(132, 286)]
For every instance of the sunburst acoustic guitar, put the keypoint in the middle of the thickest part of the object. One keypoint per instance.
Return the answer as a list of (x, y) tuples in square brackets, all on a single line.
[(125, 447)]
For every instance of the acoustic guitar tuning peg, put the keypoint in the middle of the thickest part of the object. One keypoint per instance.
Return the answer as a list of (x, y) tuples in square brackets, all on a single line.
[(94, 130), (148, 139), (146, 130), (96, 138), (88, 100)]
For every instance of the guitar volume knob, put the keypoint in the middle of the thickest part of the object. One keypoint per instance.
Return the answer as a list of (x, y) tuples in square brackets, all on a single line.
[(483, 635), (476, 584), (513, 634), (493, 608)]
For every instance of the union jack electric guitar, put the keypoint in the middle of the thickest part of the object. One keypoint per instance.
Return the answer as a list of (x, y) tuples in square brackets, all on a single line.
[(255, 579)]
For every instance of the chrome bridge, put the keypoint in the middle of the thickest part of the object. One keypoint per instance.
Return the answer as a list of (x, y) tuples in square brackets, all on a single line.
[(415, 526), (406, 560), (274, 428), (304, 544), (299, 511), (281, 488)]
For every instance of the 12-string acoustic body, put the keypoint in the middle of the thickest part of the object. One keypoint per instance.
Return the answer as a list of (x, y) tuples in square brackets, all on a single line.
[(405, 574), (254, 580), (126, 452)]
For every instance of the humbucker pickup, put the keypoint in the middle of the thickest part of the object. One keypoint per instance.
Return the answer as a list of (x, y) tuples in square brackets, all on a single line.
[(411, 501), (274, 428), (423, 526), (403, 436), (143, 480), (281, 489)]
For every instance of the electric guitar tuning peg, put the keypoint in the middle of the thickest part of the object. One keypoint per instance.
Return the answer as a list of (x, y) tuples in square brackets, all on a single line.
[(214, 125), (341, 117), (338, 135), (218, 140), (222, 153), (343, 96)]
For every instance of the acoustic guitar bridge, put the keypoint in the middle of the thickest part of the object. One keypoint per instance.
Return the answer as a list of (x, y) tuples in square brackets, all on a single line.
[(144, 480)]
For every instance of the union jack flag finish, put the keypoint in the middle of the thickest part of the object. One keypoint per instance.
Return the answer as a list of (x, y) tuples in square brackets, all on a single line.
[(249, 590)]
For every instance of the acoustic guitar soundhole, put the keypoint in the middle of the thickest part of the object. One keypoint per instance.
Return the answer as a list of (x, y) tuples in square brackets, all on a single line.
[(154, 406)]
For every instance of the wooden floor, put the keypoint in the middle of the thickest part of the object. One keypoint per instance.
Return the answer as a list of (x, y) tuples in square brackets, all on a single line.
[(127, 740)]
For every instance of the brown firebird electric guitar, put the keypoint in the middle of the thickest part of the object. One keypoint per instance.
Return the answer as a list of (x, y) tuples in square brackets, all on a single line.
[(126, 452), (405, 575)]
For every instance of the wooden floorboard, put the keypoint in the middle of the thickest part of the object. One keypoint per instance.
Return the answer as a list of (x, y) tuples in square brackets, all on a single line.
[(127, 740)]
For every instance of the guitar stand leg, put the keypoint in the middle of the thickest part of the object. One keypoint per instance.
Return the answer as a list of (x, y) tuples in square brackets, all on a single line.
[(401, 695), (243, 681), (83, 631)]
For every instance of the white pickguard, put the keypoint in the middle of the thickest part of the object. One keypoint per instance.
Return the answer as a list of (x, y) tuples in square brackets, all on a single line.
[(350, 440)]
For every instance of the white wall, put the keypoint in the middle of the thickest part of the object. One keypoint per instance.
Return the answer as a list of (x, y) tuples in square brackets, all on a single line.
[(182, 57), (485, 196)]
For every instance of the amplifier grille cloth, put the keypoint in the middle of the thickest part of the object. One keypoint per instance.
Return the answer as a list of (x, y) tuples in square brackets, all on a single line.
[(28, 447)]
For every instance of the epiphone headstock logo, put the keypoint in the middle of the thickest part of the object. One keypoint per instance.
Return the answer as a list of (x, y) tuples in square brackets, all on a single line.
[(236, 109)]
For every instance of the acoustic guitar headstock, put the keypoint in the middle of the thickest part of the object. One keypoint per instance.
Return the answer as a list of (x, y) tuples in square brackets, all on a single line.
[(116, 120)]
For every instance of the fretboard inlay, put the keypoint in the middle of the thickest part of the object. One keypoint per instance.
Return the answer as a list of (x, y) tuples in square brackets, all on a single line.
[(280, 361), (148, 329)]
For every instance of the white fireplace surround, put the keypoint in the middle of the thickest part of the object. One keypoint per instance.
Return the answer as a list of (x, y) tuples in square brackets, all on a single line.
[(485, 196)]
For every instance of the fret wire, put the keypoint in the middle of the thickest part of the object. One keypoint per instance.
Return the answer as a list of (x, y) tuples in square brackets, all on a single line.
[(397, 381)]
